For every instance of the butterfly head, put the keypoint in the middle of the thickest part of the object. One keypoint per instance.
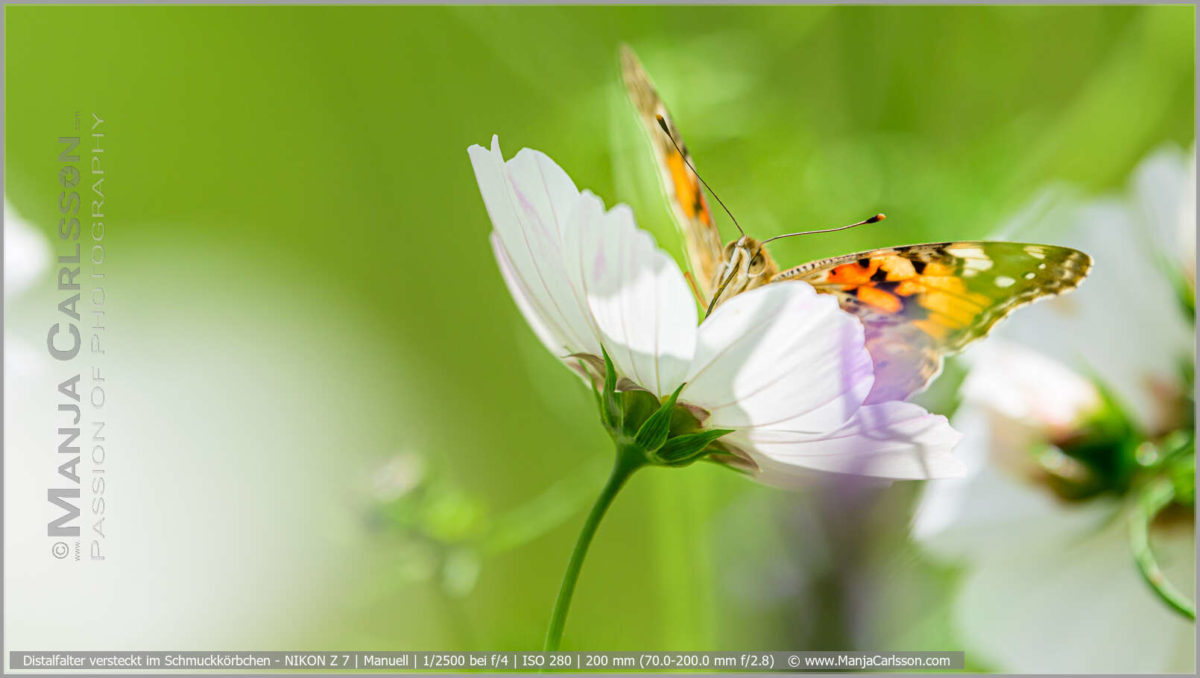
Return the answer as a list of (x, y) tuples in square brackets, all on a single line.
[(745, 265)]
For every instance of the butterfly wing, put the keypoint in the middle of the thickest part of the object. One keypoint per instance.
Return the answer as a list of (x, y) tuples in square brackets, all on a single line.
[(919, 303), (683, 189)]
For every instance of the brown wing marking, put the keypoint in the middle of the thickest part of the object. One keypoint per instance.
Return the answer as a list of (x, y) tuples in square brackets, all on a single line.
[(919, 303), (684, 192)]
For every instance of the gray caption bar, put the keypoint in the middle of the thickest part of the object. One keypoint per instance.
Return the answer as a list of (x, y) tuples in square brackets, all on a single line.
[(337, 662)]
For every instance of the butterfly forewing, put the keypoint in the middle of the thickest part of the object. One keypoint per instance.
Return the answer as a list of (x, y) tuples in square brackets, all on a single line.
[(918, 303), (688, 204)]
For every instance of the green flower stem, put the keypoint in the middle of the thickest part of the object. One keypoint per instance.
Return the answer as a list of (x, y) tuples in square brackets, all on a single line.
[(629, 459), (1153, 499)]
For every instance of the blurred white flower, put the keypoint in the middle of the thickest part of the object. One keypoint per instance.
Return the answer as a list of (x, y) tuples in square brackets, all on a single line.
[(1026, 387), (781, 366), (1051, 586), (1124, 324), (26, 258), (26, 253)]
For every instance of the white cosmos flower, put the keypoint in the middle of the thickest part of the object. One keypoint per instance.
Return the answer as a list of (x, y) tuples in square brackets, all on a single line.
[(1013, 400), (782, 366), (1124, 323), (1048, 586), (1051, 586), (1026, 386)]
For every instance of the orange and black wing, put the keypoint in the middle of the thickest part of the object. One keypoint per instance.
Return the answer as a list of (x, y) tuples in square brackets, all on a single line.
[(920, 302), (683, 189)]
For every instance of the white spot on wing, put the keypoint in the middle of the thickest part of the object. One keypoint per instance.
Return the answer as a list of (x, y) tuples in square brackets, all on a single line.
[(974, 259)]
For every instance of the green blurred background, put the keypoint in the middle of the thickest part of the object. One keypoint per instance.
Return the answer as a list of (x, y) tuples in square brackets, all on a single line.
[(314, 159)]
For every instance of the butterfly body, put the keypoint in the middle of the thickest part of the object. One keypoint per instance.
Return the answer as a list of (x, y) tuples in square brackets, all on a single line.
[(917, 303)]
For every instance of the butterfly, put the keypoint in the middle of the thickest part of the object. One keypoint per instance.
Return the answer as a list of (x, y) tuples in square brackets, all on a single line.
[(917, 303)]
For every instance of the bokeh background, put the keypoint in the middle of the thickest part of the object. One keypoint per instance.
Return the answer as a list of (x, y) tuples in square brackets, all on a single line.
[(331, 428)]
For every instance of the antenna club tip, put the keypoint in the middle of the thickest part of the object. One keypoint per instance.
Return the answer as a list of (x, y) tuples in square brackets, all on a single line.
[(877, 218), (662, 122)]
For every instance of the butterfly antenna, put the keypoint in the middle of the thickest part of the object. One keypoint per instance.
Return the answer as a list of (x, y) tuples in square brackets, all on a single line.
[(875, 219), (663, 124), (720, 290)]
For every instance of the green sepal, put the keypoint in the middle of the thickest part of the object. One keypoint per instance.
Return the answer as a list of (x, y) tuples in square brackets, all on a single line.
[(1103, 451), (654, 431), (611, 411), (685, 449), (636, 407)]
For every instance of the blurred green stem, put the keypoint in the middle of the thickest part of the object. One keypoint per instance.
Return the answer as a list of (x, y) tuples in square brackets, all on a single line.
[(629, 459), (1154, 498)]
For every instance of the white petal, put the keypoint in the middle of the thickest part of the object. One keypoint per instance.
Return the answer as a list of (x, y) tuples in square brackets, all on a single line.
[(637, 294), (582, 276), (961, 517), (780, 355), (1076, 604), (26, 253), (895, 439), (969, 499), (529, 200), (1162, 185), (1119, 232), (1077, 328), (520, 294), (1027, 386), (1185, 224), (1035, 565)]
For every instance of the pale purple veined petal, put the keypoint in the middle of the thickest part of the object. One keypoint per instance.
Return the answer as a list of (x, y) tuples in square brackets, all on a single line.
[(529, 200), (582, 275), (637, 294), (897, 440), (520, 294), (780, 355)]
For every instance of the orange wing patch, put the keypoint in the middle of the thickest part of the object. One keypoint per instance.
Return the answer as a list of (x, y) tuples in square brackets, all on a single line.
[(936, 298), (684, 192), (884, 302), (690, 197), (920, 302)]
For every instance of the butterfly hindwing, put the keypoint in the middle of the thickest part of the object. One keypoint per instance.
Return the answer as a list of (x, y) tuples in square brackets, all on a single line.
[(685, 194), (920, 302)]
